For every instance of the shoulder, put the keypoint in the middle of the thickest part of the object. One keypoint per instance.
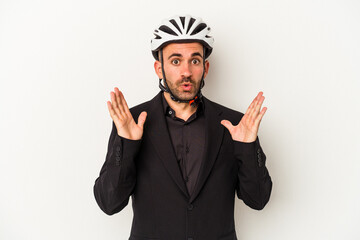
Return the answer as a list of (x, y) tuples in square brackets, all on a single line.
[(145, 106), (232, 115), (136, 110)]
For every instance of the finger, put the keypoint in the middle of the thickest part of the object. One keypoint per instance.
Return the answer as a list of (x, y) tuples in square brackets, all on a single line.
[(141, 119), (250, 107), (257, 107), (116, 90), (228, 125), (119, 101), (260, 116), (114, 104), (253, 103), (124, 103), (112, 112), (255, 111)]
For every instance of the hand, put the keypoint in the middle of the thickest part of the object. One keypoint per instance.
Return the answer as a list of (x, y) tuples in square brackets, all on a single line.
[(247, 129), (124, 121)]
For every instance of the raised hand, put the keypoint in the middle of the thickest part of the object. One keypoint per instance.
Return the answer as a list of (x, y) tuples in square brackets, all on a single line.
[(124, 121), (247, 129)]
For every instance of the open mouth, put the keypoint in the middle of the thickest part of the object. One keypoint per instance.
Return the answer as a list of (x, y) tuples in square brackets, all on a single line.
[(186, 86)]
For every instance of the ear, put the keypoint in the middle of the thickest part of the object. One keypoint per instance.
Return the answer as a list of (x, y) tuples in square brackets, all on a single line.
[(207, 64), (158, 69)]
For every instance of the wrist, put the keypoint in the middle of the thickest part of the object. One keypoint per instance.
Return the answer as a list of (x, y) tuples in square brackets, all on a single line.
[(245, 139), (129, 137)]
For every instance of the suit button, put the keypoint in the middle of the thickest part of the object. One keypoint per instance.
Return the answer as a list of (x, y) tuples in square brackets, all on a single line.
[(118, 148), (187, 149), (190, 239), (190, 207), (258, 151), (118, 158)]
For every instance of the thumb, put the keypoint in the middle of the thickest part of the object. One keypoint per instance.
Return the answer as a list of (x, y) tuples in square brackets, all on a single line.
[(227, 124), (141, 119)]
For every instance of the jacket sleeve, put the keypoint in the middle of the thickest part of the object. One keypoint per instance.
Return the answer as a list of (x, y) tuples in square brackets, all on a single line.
[(117, 178), (254, 182)]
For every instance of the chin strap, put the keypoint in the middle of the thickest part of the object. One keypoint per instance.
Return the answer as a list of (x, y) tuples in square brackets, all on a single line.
[(192, 102)]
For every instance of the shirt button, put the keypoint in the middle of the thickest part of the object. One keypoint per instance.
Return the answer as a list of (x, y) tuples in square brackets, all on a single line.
[(170, 112)]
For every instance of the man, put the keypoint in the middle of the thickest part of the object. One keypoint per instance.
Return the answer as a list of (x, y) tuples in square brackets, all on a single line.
[(186, 157)]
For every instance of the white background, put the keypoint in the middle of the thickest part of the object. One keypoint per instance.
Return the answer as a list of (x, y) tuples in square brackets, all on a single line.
[(59, 60)]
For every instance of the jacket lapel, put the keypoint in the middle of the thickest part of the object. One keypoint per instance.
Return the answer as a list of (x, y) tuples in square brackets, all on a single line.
[(157, 130), (213, 137), (159, 135)]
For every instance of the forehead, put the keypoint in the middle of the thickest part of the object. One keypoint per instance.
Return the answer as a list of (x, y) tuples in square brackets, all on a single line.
[(184, 49)]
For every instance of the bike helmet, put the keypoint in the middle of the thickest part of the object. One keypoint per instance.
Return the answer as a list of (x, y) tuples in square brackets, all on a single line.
[(182, 29)]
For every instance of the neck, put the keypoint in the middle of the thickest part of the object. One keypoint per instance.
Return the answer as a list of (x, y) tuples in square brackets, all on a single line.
[(182, 110)]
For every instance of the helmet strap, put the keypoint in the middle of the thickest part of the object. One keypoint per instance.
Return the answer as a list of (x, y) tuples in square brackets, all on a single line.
[(192, 102)]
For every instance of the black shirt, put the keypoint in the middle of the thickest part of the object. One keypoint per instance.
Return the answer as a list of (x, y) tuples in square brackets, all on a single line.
[(188, 140)]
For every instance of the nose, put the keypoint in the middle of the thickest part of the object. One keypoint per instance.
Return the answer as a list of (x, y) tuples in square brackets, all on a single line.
[(186, 70)]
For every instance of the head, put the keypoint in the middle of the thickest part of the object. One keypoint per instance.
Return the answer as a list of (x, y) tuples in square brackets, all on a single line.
[(180, 48), (185, 69)]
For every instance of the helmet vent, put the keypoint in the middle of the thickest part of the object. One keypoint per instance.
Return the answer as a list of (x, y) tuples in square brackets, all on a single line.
[(175, 24), (182, 19), (167, 30), (192, 20), (157, 36), (198, 28)]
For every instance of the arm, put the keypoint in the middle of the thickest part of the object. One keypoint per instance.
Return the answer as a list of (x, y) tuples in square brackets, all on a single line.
[(254, 183), (117, 178)]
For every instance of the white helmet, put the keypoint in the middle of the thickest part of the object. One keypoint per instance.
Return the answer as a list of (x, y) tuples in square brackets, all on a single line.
[(182, 29)]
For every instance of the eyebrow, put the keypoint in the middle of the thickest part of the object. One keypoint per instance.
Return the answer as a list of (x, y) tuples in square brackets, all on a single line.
[(196, 54), (179, 55), (175, 55)]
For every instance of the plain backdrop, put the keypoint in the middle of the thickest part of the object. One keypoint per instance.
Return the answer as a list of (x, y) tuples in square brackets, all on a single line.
[(59, 60)]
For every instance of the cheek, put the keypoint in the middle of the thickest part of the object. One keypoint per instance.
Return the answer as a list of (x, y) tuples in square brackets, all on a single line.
[(198, 71), (172, 73), (173, 70)]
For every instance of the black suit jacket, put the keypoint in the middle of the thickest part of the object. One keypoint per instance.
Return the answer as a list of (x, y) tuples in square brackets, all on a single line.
[(147, 170)]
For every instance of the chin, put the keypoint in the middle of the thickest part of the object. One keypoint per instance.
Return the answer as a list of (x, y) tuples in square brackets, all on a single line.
[(186, 97)]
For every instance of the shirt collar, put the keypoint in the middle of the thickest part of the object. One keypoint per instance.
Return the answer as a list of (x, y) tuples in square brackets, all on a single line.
[(169, 111)]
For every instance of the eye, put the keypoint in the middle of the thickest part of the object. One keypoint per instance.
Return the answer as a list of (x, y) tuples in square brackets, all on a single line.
[(175, 61), (195, 61)]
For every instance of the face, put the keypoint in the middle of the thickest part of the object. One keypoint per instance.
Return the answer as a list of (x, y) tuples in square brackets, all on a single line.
[(183, 66)]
